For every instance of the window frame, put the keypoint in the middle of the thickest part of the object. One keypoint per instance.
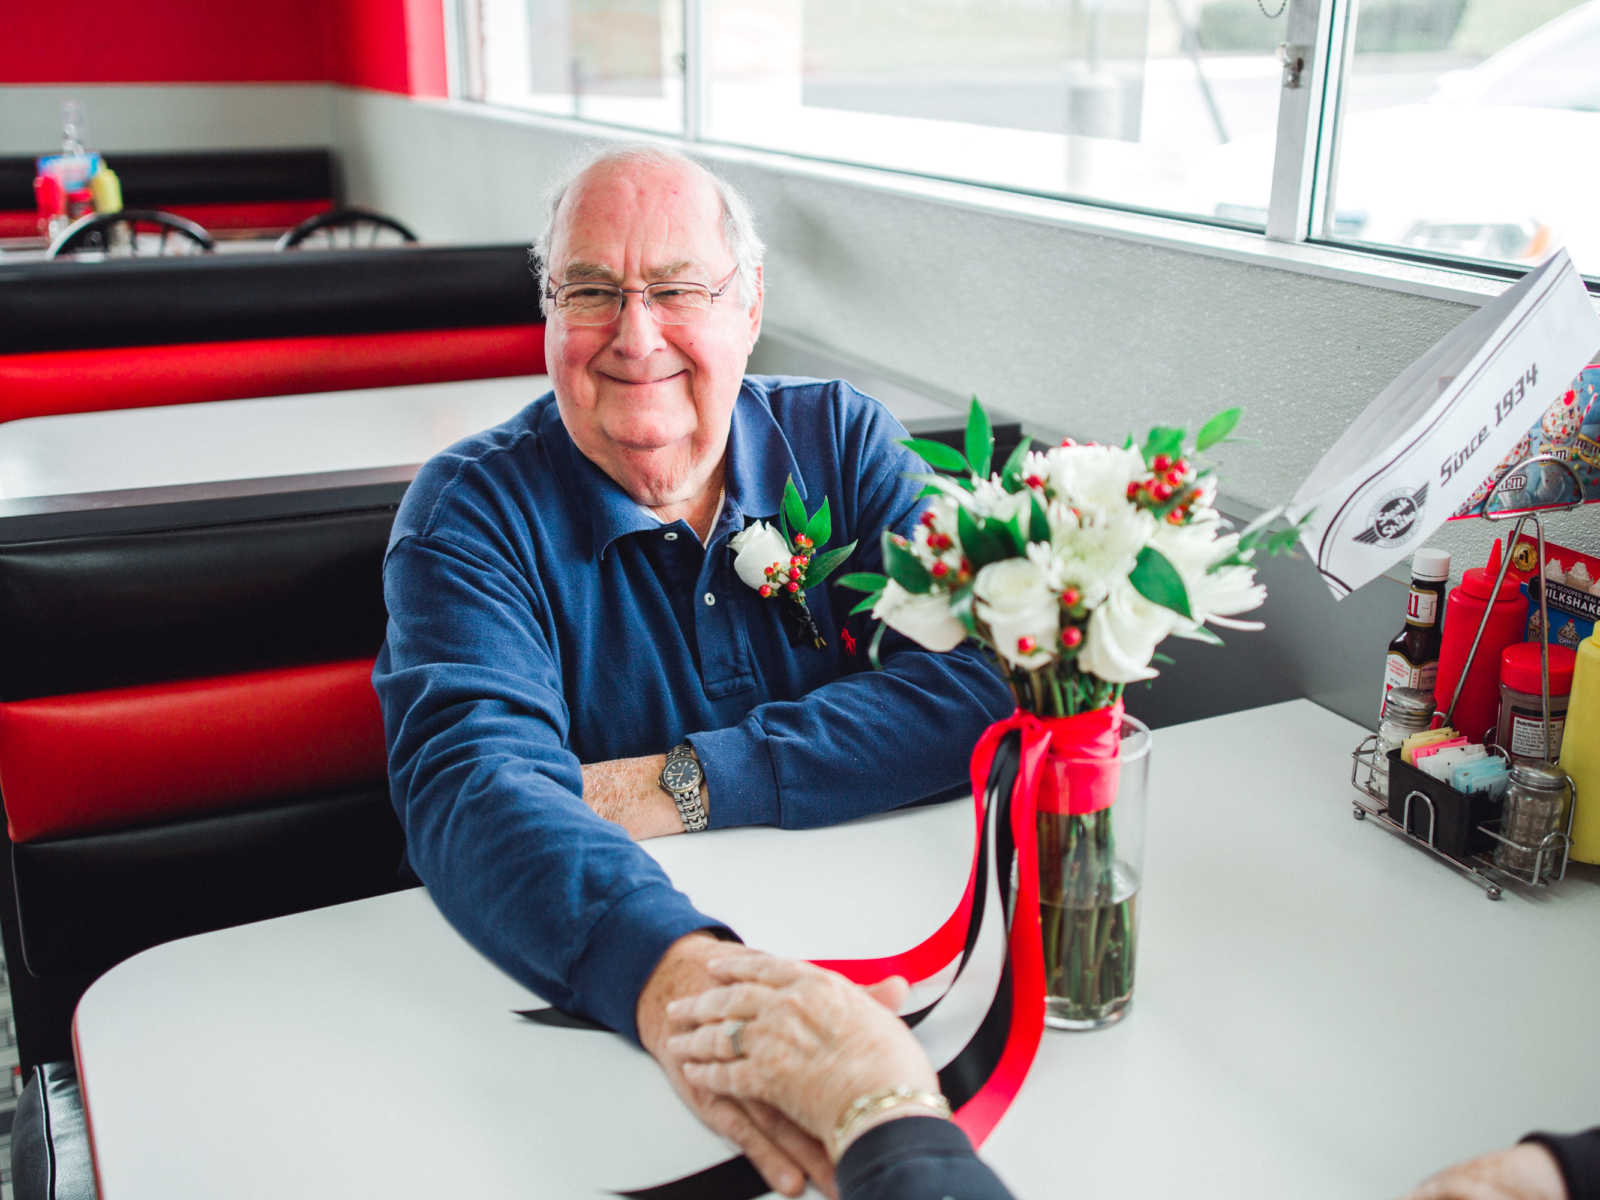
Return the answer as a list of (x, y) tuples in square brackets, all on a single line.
[(1301, 201)]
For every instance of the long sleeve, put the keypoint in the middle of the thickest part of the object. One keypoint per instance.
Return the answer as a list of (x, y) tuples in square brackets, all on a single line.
[(866, 741), (1578, 1155), (490, 797), (913, 1158)]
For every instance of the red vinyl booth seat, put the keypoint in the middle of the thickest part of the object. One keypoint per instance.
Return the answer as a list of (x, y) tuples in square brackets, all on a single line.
[(125, 757), (68, 381)]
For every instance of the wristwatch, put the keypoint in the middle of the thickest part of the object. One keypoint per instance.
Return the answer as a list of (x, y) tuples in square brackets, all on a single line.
[(681, 779)]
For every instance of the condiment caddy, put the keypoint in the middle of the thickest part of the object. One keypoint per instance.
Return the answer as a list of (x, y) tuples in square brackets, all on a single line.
[(1518, 839)]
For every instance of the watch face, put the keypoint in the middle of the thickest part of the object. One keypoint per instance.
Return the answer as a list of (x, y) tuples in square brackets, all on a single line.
[(681, 775)]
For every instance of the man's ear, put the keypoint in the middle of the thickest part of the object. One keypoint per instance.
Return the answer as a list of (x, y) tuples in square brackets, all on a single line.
[(756, 308)]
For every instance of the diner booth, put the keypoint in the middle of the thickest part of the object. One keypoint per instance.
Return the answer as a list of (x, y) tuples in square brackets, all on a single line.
[(200, 462)]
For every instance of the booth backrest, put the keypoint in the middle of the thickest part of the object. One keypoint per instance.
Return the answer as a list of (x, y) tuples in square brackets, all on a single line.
[(260, 190), (188, 739), (125, 334)]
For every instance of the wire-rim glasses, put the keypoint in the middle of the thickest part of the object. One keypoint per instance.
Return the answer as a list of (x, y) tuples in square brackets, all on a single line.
[(671, 303)]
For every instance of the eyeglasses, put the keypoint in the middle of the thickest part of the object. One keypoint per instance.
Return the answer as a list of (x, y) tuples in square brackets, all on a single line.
[(601, 303)]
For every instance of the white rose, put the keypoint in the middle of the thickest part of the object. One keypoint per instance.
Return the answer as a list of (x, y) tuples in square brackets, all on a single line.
[(1123, 634), (1015, 601), (755, 549), (926, 619)]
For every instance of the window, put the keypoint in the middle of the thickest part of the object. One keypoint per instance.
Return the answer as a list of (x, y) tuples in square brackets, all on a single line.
[(1457, 129), (1468, 129)]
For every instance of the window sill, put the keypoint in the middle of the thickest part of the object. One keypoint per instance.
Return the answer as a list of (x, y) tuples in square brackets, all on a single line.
[(1344, 265)]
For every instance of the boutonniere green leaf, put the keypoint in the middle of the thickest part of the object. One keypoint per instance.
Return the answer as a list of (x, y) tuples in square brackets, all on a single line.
[(786, 561)]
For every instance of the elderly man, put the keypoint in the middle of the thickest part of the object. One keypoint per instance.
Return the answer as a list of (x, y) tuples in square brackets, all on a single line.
[(571, 658)]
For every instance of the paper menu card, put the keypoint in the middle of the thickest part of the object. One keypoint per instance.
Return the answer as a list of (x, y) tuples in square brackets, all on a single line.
[(1419, 451)]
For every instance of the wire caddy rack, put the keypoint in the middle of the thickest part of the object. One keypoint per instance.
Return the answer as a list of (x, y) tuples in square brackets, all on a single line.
[(1418, 820)]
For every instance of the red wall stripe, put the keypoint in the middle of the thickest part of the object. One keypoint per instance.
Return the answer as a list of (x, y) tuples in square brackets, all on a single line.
[(67, 381), (390, 45), (274, 216), (162, 41), (141, 755)]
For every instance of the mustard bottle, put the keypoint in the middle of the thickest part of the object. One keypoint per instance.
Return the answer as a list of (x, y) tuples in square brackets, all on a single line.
[(1580, 749)]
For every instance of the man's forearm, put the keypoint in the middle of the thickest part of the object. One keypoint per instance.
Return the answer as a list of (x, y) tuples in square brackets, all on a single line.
[(628, 791)]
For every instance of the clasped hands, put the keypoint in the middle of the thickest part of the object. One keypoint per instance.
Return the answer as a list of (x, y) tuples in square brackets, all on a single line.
[(770, 1052)]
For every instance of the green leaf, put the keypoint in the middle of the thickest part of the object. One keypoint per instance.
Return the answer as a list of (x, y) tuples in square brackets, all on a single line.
[(872, 648), (1008, 533), (1157, 580), (820, 527), (904, 567), (980, 547), (868, 604), (980, 440), (1219, 427), (794, 511), (1038, 522), (961, 607), (936, 454), (1013, 467), (1163, 439), (1166, 660), (826, 564), (863, 581)]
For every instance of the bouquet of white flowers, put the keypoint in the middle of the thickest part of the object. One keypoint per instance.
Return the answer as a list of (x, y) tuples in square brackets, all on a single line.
[(1071, 564)]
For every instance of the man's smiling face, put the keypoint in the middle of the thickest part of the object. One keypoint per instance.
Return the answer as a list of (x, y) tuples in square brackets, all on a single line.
[(649, 404)]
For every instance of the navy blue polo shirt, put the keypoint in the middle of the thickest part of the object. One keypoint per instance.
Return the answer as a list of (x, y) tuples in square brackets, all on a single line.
[(539, 618)]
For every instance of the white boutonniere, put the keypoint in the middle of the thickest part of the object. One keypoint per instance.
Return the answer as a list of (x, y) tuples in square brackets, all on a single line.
[(783, 562)]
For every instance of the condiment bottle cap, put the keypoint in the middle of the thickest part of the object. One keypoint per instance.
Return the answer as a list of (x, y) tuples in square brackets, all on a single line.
[(1541, 777), (1411, 702), (1479, 581), (1519, 667), (1429, 563)]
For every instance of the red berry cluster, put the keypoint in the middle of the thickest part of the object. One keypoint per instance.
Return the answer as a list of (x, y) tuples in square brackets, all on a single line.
[(786, 577), (1074, 611), (939, 542), (1169, 477)]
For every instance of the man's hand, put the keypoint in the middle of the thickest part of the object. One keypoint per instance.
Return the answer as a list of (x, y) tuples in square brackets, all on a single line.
[(1525, 1172), (781, 1151), (628, 791)]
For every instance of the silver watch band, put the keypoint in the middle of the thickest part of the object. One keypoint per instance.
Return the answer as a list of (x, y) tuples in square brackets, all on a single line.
[(691, 804)]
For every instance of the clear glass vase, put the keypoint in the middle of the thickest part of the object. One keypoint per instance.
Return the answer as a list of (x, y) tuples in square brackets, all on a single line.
[(1091, 864)]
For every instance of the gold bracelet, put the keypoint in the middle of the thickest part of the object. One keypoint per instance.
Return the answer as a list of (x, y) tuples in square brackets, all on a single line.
[(873, 1103)]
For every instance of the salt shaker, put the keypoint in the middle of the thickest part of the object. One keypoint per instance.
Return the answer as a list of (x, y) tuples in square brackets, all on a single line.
[(1535, 802), (1406, 711)]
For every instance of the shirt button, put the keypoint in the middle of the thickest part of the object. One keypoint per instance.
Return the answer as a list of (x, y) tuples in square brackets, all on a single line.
[(710, 599), (669, 536)]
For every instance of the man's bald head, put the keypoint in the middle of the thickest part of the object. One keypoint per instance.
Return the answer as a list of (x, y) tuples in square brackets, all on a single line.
[(738, 226)]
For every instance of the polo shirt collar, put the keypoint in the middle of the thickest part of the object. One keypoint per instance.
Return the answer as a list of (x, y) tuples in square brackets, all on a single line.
[(760, 462)]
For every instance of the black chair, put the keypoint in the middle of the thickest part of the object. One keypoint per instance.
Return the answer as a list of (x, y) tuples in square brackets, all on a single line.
[(323, 231), (94, 232)]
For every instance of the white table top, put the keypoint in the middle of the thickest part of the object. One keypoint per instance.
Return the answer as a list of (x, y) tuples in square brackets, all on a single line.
[(251, 439), (1321, 1012)]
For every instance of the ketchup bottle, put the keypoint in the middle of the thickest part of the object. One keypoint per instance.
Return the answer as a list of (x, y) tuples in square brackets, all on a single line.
[(1476, 709)]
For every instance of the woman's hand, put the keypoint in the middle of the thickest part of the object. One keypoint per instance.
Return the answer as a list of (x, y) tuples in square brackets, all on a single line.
[(1525, 1172), (804, 1040)]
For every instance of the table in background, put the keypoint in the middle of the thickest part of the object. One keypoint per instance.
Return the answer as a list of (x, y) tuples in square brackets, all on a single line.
[(273, 437), (1321, 1012)]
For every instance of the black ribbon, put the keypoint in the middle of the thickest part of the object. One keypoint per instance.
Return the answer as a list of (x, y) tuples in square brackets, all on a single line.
[(963, 1077)]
